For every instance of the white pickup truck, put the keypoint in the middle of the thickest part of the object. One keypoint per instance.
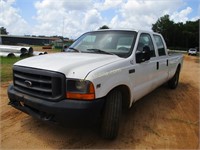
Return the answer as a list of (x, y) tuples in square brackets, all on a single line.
[(99, 75)]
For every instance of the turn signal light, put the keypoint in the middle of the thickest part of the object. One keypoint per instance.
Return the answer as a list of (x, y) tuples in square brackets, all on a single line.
[(80, 96)]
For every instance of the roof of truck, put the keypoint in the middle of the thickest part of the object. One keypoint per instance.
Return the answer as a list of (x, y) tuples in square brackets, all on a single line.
[(124, 30)]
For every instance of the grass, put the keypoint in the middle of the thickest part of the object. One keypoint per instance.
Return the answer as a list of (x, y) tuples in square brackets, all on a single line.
[(7, 63), (6, 67)]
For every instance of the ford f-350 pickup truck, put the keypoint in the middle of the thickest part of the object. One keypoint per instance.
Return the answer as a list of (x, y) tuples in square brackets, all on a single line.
[(100, 74)]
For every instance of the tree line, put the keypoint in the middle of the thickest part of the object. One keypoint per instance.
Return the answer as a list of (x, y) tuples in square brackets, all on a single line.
[(178, 35)]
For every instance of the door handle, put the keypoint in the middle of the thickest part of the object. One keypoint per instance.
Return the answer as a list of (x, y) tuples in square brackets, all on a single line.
[(167, 62), (157, 65), (131, 71)]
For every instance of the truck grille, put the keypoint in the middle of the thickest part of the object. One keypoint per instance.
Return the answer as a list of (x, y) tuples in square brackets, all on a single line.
[(47, 85)]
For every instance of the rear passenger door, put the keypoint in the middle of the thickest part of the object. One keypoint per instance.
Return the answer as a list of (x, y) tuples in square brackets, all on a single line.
[(161, 61)]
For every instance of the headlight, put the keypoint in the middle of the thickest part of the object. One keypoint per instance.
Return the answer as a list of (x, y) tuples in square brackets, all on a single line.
[(80, 89), (81, 85)]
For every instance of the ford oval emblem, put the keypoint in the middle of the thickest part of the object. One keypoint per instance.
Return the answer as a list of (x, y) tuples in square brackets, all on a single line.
[(28, 83)]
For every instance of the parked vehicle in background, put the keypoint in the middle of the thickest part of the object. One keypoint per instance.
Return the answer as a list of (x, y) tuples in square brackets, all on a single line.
[(192, 51), (99, 75)]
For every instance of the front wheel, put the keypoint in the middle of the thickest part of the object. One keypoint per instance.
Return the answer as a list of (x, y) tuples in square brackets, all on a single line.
[(173, 83), (111, 115)]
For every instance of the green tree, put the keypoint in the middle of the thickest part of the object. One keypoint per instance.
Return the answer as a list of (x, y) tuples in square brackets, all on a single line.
[(178, 35), (191, 34), (164, 26), (104, 27), (3, 31)]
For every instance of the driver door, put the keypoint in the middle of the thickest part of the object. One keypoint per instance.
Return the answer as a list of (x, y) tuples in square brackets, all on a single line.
[(145, 71)]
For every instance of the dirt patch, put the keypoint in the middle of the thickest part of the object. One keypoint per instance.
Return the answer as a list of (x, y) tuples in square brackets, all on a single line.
[(164, 119)]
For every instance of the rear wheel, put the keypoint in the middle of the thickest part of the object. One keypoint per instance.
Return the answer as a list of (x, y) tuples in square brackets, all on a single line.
[(173, 83), (111, 115)]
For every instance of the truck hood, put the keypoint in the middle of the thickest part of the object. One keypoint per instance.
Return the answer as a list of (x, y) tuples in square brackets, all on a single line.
[(73, 65)]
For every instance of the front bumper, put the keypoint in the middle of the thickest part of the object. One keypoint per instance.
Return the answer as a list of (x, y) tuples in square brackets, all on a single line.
[(64, 110)]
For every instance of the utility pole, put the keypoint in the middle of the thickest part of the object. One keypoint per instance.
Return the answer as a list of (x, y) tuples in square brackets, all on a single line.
[(63, 28)]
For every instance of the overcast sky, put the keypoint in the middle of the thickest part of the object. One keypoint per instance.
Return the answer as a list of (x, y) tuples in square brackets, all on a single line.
[(71, 18)]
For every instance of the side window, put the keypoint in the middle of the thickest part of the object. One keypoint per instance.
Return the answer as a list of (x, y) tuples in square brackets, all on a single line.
[(160, 45), (145, 40)]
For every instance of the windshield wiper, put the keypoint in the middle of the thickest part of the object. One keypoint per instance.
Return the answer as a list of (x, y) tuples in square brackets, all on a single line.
[(100, 51), (76, 50)]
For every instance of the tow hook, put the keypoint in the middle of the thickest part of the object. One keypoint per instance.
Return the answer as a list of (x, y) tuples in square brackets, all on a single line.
[(46, 117)]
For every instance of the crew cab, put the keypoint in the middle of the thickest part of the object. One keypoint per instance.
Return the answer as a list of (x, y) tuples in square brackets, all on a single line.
[(99, 75)]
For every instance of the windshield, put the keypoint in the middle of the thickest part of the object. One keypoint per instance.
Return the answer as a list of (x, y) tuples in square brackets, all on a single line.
[(118, 43)]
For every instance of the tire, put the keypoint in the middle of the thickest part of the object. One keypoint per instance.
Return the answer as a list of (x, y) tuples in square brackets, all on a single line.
[(111, 115), (173, 83)]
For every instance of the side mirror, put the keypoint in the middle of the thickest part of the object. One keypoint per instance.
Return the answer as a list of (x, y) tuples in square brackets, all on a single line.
[(144, 55)]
